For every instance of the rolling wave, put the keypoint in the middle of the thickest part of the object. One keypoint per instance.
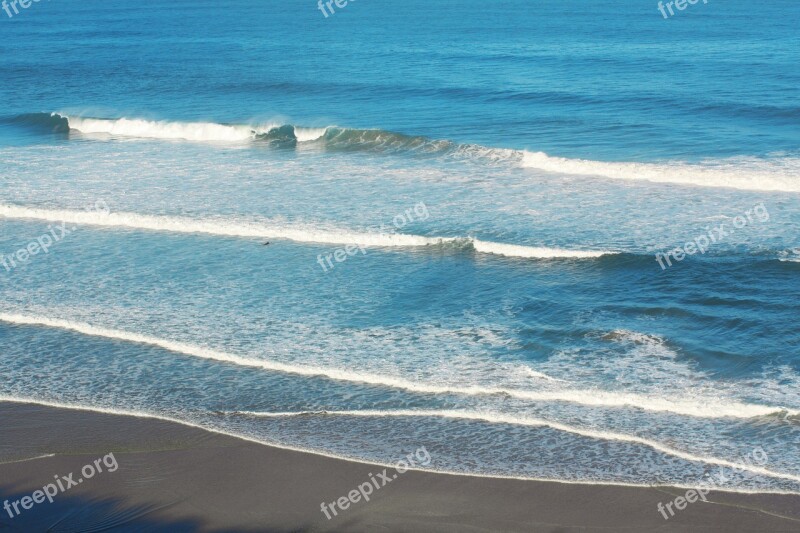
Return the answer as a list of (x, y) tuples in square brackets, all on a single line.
[(331, 137), (746, 173), (297, 233), (168, 130), (701, 407)]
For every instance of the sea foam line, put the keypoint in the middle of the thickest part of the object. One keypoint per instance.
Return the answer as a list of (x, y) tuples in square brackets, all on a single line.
[(226, 228), (45, 456), (499, 418), (701, 408)]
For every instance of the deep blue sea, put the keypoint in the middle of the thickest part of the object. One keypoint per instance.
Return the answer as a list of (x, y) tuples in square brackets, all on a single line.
[(550, 240)]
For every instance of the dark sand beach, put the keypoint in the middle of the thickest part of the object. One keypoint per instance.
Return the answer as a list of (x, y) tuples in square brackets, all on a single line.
[(172, 477)]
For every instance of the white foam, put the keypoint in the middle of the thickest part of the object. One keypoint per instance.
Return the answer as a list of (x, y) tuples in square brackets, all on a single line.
[(638, 338), (273, 230), (499, 418), (740, 173), (308, 134), (528, 371), (701, 407), (514, 250), (790, 256), (191, 131), (45, 456)]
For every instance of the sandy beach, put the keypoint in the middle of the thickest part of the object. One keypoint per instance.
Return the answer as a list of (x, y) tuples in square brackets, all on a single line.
[(172, 477)]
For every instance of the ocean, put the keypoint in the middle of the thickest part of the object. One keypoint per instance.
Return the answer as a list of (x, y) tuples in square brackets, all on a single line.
[(544, 240)]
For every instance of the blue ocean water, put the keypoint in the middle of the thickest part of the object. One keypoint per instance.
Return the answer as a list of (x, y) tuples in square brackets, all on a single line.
[(464, 203)]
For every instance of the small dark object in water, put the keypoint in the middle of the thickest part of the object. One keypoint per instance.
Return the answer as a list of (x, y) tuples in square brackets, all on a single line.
[(266, 243)]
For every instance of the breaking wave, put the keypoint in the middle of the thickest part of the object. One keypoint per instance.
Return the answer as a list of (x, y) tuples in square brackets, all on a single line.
[(747, 173)]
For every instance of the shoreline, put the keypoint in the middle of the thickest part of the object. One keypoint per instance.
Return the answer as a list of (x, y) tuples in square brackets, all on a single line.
[(174, 476), (328, 455)]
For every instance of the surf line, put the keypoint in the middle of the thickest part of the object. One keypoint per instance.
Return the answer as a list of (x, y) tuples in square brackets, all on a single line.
[(591, 398)]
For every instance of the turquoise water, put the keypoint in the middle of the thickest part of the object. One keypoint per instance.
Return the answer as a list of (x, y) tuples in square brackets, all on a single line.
[(464, 206)]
